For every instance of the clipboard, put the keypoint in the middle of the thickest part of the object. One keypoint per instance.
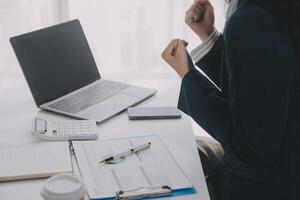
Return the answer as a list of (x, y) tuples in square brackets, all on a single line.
[(141, 176), (142, 193), (150, 193)]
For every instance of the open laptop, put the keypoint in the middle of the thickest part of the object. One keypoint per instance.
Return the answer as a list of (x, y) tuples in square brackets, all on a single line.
[(63, 77)]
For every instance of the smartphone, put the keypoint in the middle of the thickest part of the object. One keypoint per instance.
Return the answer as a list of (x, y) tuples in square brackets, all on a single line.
[(144, 113)]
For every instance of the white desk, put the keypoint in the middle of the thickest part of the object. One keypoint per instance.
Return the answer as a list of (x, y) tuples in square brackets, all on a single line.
[(17, 110)]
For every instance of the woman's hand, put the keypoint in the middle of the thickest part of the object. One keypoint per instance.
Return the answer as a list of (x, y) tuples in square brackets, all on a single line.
[(177, 56), (200, 18)]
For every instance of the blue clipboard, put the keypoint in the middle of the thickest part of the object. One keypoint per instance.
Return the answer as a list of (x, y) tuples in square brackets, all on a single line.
[(174, 193)]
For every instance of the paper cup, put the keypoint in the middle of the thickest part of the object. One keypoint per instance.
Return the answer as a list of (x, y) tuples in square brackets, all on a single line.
[(63, 187)]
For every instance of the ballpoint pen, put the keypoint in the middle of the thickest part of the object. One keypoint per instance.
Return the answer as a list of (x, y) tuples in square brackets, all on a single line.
[(175, 48), (126, 153), (201, 16)]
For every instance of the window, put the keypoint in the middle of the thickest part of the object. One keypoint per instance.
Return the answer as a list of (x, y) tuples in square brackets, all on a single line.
[(123, 34), (126, 34), (20, 16)]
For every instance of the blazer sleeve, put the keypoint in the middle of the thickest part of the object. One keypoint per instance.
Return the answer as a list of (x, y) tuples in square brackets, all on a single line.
[(202, 101), (252, 119), (214, 66)]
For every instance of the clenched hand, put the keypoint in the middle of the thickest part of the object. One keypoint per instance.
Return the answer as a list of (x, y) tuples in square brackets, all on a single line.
[(205, 26), (177, 57)]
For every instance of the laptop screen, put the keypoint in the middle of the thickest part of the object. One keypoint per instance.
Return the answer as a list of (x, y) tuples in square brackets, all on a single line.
[(55, 60)]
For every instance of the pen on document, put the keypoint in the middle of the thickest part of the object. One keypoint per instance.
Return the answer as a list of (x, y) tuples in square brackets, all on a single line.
[(126, 153)]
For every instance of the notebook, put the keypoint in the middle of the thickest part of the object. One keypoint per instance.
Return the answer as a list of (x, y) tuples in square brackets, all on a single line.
[(35, 161), (150, 168)]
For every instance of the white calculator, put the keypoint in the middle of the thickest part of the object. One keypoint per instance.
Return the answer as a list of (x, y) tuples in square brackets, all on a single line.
[(64, 130)]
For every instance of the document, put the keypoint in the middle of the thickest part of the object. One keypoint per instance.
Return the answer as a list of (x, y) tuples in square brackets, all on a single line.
[(150, 168), (35, 161)]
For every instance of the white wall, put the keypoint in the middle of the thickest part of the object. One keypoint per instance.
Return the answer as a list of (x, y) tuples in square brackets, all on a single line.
[(132, 33), (122, 33), (19, 16)]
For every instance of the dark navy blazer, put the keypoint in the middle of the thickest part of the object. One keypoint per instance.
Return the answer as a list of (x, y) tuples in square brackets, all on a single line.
[(256, 115)]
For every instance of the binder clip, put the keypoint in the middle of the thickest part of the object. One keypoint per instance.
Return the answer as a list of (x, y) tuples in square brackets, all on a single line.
[(144, 192)]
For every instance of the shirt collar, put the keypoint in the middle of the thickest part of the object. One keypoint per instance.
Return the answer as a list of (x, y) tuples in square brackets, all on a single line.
[(232, 8)]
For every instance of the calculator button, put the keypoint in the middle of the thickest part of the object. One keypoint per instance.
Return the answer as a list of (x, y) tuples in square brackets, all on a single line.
[(76, 132), (67, 127), (76, 129), (82, 127), (55, 132), (68, 131), (85, 130)]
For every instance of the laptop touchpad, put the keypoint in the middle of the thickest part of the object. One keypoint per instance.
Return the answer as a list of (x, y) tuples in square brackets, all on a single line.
[(109, 107)]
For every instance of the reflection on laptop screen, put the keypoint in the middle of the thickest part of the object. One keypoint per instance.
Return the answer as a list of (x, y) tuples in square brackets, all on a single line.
[(55, 60)]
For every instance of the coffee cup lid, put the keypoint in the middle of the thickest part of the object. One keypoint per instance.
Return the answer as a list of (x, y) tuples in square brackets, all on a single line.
[(63, 187)]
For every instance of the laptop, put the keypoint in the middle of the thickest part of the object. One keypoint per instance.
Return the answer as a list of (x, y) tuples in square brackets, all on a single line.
[(63, 77)]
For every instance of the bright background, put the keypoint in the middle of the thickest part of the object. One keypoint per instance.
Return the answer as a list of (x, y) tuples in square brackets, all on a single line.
[(125, 35), (122, 33)]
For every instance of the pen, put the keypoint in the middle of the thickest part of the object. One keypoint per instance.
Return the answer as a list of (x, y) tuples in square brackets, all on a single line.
[(175, 48), (201, 14), (126, 153)]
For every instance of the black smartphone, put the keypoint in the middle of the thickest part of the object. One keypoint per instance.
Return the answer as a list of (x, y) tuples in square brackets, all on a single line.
[(144, 113)]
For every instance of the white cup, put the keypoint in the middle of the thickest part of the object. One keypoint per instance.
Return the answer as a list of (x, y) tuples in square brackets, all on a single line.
[(63, 187)]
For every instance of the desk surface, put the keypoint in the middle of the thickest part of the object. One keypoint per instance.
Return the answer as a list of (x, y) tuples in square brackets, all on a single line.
[(17, 110)]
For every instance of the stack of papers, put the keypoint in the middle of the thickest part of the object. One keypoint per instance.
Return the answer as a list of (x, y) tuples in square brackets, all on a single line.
[(35, 161)]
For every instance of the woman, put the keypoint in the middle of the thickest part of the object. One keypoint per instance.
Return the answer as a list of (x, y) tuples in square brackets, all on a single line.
[(255, 111)]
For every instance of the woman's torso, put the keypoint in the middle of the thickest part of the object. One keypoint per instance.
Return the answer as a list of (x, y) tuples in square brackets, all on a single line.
[(240, 181)]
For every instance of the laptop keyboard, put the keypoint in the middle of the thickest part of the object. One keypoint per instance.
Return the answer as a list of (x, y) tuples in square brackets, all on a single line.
[(89, 96)]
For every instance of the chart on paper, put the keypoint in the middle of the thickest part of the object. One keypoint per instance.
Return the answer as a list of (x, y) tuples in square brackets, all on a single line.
[(152, 167)]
